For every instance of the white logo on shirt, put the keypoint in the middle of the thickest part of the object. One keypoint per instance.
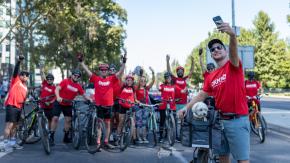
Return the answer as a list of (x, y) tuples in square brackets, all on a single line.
[(218, 81), (72, 88), (104, 83), (47, 89), (251, 85), (169, 89), (180, 82), (127, 90)]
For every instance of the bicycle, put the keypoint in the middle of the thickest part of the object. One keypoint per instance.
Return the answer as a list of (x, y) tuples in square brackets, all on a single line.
[(127, 129), (35, 121), (257, 121), (152, 123), (85, 126)]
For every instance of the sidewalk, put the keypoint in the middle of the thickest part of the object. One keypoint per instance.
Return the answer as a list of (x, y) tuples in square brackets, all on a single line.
[(277, 119)]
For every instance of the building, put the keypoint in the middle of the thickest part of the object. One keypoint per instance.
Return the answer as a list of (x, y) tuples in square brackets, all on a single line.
[(7, 46)]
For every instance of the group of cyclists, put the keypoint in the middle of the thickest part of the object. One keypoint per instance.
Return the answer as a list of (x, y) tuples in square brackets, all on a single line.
[(114, 96)]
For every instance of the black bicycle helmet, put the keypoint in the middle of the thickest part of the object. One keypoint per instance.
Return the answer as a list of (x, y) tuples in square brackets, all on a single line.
[(210, 66), (49, 76), (167, 74), (77, 72)]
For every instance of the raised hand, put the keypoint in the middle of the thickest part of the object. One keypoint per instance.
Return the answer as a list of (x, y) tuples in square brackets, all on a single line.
[(200, 50), (124, 57), (167, 57), (225, 28), (80, 57), (151, 69), (21, 57)]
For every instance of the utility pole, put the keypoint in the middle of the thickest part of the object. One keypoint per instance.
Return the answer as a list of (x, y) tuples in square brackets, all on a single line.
[(233, 14)]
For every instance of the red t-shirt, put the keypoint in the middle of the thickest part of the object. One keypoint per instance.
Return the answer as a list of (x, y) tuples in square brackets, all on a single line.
[(252, 87), (117, 89), (205, 74), (167, 93), (17, 93), (181, 83), (69, 90), (47, 90), (104, 88), (127, 93), (228, 88), (142, 94)]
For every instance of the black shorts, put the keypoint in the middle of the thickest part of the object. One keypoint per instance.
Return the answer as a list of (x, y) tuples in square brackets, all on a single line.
[(123, 110), (48, 113), (57, 109), (116, 106), (13, 114), (104, 112)]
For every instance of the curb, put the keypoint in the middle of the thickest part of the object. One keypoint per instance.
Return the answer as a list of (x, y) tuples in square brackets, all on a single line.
[(280, 129)]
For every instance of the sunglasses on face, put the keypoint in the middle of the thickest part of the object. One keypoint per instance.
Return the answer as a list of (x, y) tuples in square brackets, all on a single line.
[(219, 47), (77, 76), (103, 69)]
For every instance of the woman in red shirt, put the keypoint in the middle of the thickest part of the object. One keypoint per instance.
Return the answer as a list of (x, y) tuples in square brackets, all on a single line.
[(167, 90), (126, 101), (141, 91)]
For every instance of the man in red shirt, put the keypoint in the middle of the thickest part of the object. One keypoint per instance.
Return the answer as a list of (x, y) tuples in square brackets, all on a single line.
[(227, 86), (181, 94), (65, 92), (104, 96), (48, 95), (253, 87), (16, 97)]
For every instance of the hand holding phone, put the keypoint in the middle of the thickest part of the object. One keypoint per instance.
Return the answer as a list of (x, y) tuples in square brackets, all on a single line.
[(217, 20)]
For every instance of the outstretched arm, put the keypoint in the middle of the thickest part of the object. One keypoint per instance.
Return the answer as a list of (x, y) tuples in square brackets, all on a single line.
[(17, 66), (191, 68), (120, 73), (80, 57), (168, 64), (42, 75), (203, 68), (153, 78), (233, 47)]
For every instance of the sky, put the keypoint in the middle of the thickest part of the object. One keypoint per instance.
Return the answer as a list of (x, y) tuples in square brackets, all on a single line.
[(159, 27)]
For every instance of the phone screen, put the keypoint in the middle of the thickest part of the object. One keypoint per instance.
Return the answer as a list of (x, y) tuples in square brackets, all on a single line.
[(217, 20)]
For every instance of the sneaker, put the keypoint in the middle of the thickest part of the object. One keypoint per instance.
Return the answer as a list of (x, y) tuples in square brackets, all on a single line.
[(51, 141), (139, 141), (145, 141), (17, 146), (160, 140), (177, 140), (98, 147), (66, 138), (109, 146)]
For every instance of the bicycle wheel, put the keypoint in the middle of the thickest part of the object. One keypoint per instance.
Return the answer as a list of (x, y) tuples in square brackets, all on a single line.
[(76, 132), (94, 129), (126, 135), (262, 127), (170, 130), (44, 133), (152, 132), (29, 130), (254, 124)]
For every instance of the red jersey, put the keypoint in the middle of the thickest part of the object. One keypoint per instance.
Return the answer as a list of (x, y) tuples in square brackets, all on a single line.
[(104, 88), (117, 89), (252, 87), (228, 88), (167, 93), (205, 74), (142, 94), (17, 93), (181, 83), (127, 93), (47, 90), (69, 90)]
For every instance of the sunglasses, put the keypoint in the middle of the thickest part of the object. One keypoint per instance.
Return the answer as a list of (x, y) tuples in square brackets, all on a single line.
[(103, 69), (49, 79), (112, 69), (77, 76), (219, 47)]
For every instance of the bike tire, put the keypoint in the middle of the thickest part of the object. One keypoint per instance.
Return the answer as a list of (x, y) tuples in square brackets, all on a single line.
[(29, 124), (171, 130), (44, 133), (152, 132), (126, 135), (262, 128), (76, 132), (92, 134)]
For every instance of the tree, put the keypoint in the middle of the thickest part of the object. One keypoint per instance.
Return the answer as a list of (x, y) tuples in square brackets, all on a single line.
[(271, 60)]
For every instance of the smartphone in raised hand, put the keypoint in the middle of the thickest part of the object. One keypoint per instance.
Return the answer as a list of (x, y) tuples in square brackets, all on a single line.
[(217, 20)]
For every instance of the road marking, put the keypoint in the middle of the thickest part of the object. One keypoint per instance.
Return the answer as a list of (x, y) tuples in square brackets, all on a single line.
[(276, 112)]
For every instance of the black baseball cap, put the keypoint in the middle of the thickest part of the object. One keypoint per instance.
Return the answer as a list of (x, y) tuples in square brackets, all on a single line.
[(213, 41)]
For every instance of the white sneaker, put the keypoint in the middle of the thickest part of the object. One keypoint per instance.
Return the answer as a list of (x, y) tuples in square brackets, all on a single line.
[(17, 146)]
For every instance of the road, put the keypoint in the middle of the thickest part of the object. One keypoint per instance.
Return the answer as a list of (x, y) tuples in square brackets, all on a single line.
[(275, 149)]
